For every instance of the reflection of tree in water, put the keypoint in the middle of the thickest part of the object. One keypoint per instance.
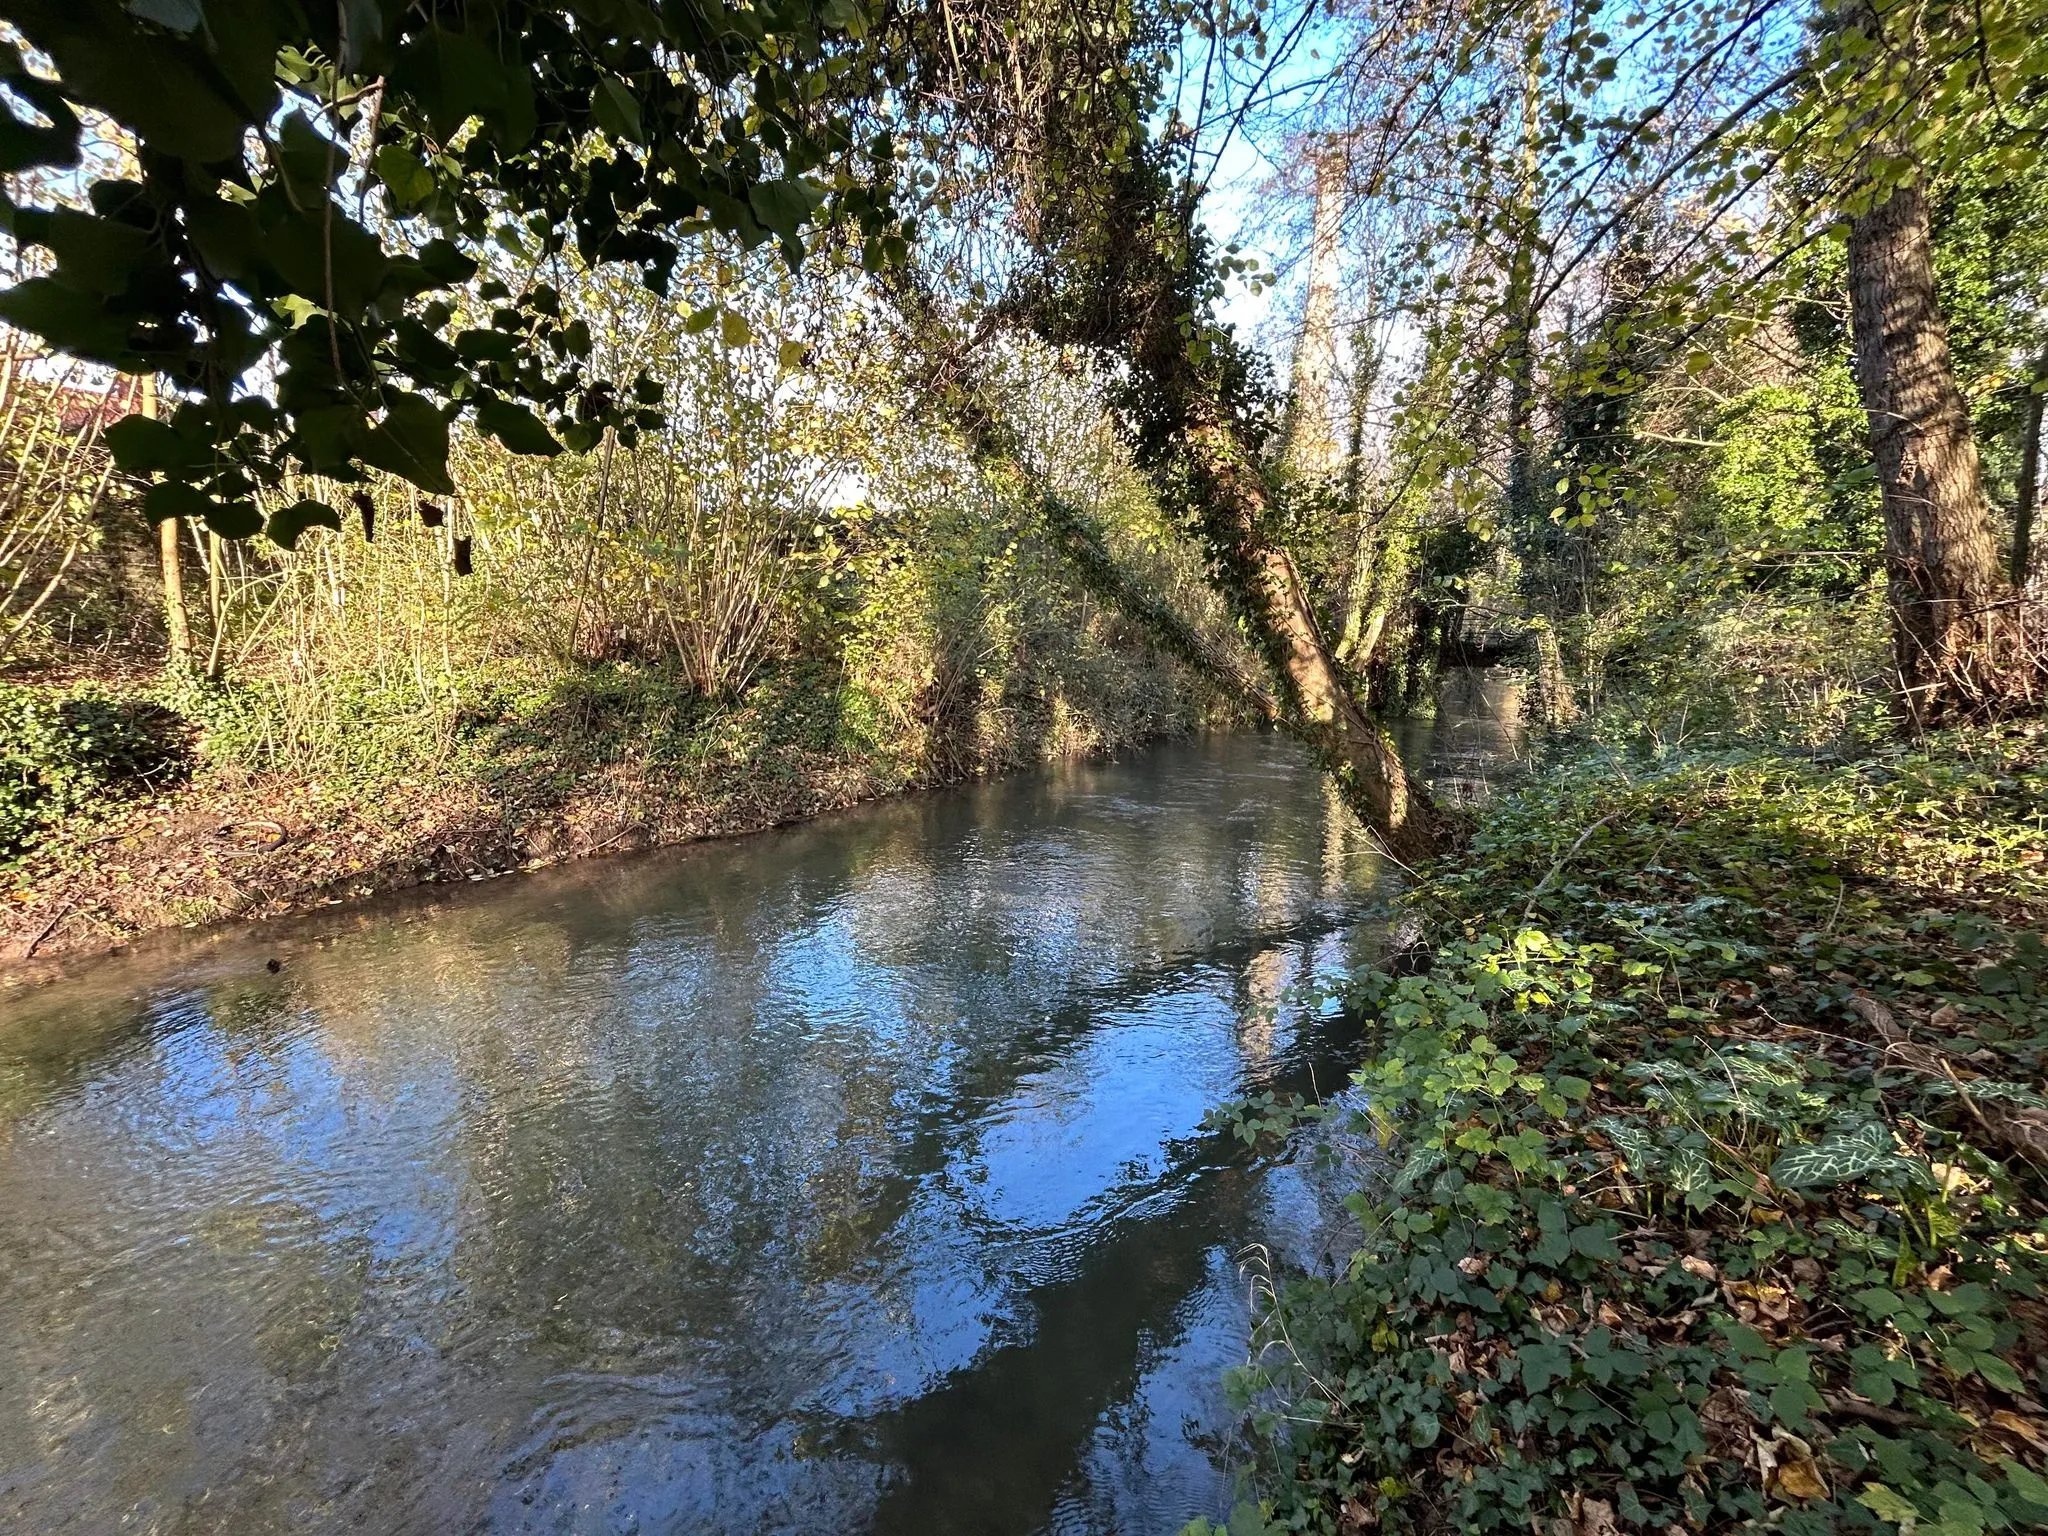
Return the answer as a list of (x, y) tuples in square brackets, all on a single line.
[(671, 1127)]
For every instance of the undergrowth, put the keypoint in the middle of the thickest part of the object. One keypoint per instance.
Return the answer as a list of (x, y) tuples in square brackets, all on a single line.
[(1715, 1195)]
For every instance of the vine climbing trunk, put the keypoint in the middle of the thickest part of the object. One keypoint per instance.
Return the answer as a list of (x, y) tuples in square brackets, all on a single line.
[(1958, 630), (1231, 497), (1311, 448), (2029, 498)]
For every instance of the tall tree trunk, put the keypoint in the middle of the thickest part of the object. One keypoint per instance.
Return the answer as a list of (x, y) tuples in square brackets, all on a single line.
[(2030, 484), (1311, 448), (1354, 646), (177, 627), (1958, 635)]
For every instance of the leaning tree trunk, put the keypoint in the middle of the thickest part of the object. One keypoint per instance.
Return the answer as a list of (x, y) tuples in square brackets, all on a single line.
[(1263, 582), (1958, 634)]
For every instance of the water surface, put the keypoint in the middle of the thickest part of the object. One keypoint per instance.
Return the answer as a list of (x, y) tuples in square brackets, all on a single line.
[(845, 1178)]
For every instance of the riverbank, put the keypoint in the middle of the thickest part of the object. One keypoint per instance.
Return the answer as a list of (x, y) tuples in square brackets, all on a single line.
[(158, 822), (1719, 1138)]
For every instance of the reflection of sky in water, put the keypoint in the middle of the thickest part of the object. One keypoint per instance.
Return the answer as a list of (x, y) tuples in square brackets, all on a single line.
[(845, 1178)]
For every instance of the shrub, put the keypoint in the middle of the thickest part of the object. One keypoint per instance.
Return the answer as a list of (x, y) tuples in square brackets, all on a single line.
[(60, 750)]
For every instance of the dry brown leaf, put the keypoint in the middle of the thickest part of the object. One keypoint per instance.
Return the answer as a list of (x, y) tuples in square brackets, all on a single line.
[(1596, 1518), (2032, 1433), (1694, 1265), (1798, 1477)]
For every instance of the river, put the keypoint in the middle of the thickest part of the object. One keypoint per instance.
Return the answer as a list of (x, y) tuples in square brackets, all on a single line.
[(844, 1178)]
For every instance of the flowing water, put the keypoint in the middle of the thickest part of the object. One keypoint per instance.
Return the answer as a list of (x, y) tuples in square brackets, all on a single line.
[(845, 1178)]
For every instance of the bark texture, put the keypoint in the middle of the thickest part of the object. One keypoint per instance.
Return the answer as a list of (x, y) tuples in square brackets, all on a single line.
[(1959, 634), (1311, 446), (1231, 496), (2029, 488)]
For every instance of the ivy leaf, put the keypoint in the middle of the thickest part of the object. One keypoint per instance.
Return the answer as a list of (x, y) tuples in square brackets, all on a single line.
[(288, 523), (515, 426)]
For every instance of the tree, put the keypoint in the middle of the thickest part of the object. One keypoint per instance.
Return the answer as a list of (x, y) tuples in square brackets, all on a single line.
[(1962, 642), (622, 130), (1960, 645)]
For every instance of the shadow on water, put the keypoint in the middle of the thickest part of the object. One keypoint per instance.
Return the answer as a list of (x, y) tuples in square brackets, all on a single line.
[(850, 1177)]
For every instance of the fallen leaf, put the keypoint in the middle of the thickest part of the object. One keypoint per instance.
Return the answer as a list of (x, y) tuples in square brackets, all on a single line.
[(2024, 1429), (1798, 1476), (1694, 1265)]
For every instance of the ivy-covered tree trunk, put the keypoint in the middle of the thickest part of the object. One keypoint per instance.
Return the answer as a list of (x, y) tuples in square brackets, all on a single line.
[(1266, 588), (1959, 637), (2030, 485)]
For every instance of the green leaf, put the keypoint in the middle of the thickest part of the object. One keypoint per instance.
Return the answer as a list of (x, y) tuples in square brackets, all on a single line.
[(515, 426), (445, 263), (176, 15), (404, 178), (288, 523), (454, 76), (1998, 1372), (2026, 1482), (411, 442), (1887, 1505), (1541, 1364), (174, 498), (24, 146), (234, 519), (486, 346), (331, 435), (617, 109), (785, 206), (67, 319), (95, 255), (733, 327), (226, 233), (151, 83), (144, 445), (328, 258), (1834, 1159), (312, 162)]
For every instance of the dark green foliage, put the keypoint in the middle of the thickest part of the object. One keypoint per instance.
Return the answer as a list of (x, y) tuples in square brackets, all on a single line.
[(61, 751), (1712, 1197), (620, 132)]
